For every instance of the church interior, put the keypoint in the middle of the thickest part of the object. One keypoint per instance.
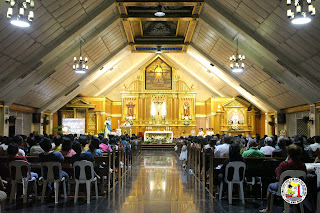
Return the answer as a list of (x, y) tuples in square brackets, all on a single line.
[(161, 72)]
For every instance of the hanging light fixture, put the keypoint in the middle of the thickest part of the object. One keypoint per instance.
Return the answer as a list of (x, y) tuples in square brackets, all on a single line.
[(80, 65), (19, 17), (236, 61), (159, 50), (159, 13), (301, 16)]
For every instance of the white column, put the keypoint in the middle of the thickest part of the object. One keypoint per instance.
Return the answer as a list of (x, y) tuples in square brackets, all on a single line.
[(276, 123), (4, 115), (50, 124), (266, 125), (313, 116)]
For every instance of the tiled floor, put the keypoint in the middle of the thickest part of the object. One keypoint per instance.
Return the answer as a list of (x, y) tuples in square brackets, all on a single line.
[(157, 184)]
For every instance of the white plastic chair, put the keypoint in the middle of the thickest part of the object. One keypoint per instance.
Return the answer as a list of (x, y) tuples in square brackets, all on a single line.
[(236, 179), (285, 175), (83, 179), (255, 180), (18, 178), (50, 179)]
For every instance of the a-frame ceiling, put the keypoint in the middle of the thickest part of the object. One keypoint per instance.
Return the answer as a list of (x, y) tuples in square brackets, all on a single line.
[(282, 65)]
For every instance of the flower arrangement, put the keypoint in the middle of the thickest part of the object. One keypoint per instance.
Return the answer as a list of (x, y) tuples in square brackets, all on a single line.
[(186, 123)]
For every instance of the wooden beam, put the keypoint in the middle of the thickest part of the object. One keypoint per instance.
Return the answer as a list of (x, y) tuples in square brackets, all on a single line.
[(127, 28), (297, 109), (91, 71), (232, 76), (151, 17), (146, 3), (252, 54), (54, 45), (191, 27), (22, 108), (25, 86), (257, 39)]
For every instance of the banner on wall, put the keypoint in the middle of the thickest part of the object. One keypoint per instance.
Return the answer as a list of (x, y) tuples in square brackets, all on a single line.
[(74, 125)]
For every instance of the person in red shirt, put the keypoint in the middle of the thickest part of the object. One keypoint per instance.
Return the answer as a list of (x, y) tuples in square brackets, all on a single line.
[(293, 163), (12, 152)]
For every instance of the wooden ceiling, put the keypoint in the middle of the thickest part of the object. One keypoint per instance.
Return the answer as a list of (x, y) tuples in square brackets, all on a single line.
[(173, 32), (282, 60)]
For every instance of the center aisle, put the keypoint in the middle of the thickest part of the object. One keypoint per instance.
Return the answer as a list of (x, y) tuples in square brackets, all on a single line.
[(158, 184)]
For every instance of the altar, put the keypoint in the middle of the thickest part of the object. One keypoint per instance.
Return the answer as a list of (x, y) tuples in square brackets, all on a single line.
[(158, 137)]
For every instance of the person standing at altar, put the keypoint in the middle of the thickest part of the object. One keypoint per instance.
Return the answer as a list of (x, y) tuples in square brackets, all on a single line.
[(210, 132), (107, 129), (201, 133)]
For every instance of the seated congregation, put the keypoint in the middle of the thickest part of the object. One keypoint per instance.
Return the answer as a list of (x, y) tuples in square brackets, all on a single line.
[(62, 161), (252, 163)]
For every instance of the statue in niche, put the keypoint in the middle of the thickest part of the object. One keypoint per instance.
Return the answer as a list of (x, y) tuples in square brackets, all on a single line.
[(186, 108), (235, 118), (130, 107)]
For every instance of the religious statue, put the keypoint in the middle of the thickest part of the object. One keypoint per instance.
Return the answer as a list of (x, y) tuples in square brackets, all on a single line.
[(235, 118), (186, 109), (107, 129), (130, 107)]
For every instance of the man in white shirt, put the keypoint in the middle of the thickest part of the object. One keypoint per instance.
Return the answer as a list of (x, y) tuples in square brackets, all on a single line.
[(210, 132), (223, 149), (201, 133), (316, 144), (267, 149)]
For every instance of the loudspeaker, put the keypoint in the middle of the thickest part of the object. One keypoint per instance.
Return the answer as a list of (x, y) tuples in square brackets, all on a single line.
[(306, 119), (281, 118), (36, 117)]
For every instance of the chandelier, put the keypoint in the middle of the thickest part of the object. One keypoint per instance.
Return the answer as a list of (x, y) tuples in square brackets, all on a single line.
[(301, 15), (80, 65), (18, 18), (236, 62)]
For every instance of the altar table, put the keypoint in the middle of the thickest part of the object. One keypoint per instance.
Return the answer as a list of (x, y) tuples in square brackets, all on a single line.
[(158, 133)]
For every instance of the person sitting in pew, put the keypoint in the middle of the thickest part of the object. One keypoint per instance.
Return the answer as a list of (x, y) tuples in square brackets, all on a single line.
[(316, 146), (223, 150), (13, 155), (84, 141), (253, 150), (282, 151), (105, 146), (67, 151), (293, 163), (51, 156), (234, 155), (79, 154), (57, 143), (94, 147), (267, 149), (35, 148)]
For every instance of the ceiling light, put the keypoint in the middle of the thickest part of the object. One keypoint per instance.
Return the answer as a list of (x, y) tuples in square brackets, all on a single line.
[(159, 13), (236, 62), (159, 50), (18, 16), (80, 65), (301, 16)]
